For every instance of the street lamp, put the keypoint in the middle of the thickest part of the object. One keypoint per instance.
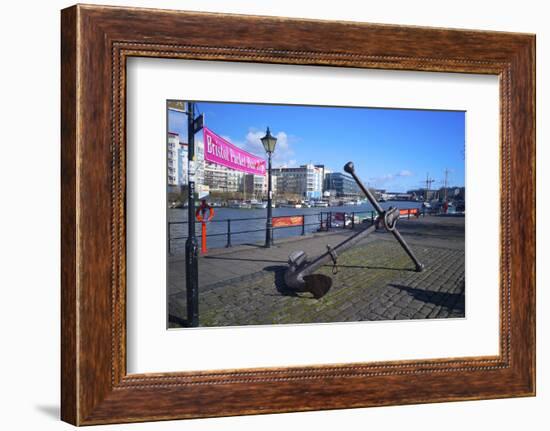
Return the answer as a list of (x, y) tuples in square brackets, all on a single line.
[(269, 141)]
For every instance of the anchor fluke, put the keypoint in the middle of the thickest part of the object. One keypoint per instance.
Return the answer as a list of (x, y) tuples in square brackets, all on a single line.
[(318, 284), (299, 281)]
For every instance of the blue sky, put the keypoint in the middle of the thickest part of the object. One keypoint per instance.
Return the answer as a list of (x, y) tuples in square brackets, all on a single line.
[(392, 149)]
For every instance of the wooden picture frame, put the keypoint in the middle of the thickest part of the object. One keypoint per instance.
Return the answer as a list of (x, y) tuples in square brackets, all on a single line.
[(95, 43)]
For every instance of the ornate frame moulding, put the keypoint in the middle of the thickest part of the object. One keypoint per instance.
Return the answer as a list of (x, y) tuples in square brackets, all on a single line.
[(96, 41)]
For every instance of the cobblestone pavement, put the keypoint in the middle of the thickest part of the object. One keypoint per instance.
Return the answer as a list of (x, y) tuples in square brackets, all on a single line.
[(375, 280)]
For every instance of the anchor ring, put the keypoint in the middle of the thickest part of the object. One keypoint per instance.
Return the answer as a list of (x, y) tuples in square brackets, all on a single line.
[(390, 224)]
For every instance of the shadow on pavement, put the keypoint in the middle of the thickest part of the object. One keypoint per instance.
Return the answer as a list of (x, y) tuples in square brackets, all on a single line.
[(244, 259), (385, 268), (252, 244), (454, 301)]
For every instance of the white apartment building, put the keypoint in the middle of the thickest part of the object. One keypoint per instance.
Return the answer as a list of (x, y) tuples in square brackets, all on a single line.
[(255, 186), (306, 180), (173, 165), (222, 179)]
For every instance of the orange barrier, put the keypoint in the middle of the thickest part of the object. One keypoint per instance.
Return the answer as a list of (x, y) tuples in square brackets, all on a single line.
[(408, 212), (287, 221)]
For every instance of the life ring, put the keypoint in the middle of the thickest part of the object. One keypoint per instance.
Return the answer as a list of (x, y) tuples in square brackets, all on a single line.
[(198, 213)]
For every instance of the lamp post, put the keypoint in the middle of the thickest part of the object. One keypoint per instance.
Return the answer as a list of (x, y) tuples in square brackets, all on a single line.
[(269, 141)]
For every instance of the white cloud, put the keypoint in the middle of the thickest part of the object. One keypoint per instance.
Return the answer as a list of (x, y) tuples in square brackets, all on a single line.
[(252, 142), (292, 163), (390, 178), (283, 151)]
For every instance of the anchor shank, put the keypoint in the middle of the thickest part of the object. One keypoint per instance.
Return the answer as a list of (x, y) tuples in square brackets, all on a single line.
[(350, 170), (340, 248), (399, 238)]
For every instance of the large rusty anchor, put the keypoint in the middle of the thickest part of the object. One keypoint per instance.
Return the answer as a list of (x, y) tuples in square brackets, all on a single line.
[(300, 275)]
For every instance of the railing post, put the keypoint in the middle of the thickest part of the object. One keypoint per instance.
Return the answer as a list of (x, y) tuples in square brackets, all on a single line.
[(352, 220), (408, 214), (371, 218), (303, 224), (169, 238), (344, 221), (329, 221), (228, 233)]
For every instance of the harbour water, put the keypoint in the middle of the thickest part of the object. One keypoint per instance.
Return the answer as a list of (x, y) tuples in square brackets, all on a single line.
[(251, 223)]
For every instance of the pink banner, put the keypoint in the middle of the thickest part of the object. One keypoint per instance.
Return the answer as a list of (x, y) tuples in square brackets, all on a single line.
[(218, 150)]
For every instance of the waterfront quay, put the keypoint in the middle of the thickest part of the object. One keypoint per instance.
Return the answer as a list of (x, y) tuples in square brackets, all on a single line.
[(243, 285), (247, 226)]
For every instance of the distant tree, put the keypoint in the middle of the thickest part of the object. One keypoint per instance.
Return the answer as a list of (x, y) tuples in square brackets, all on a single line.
[(288, 196), (177, 104), (225, 196), (180, 196)]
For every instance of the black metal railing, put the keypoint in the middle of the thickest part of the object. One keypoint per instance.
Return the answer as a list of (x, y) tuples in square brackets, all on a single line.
[(326, 220)]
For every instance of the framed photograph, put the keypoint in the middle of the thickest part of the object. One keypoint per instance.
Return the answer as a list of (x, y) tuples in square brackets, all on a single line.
[(266, 215)]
